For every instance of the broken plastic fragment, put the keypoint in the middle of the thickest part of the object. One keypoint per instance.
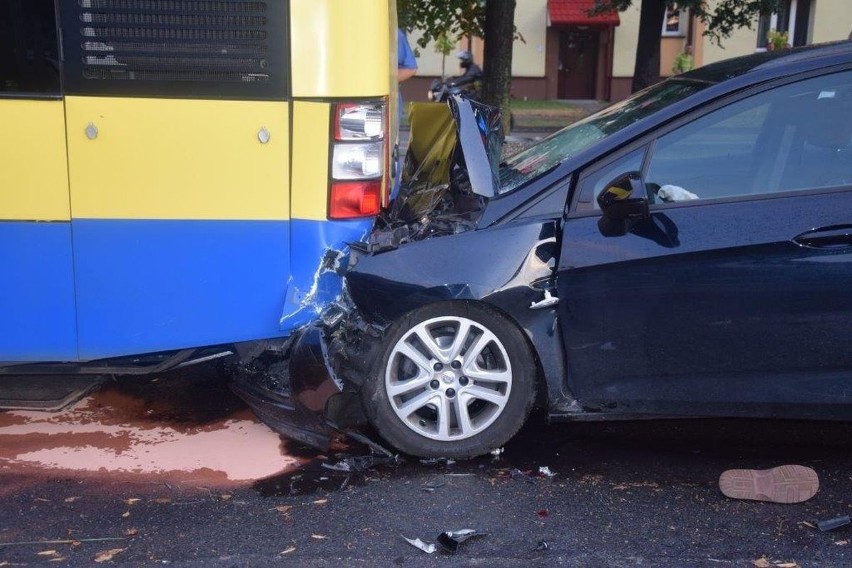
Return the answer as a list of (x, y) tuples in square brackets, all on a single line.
[(542, 545), (519, 475), (360, 463), (417, 543), (358, 437), (462, 535), (437, 461), (431, 487), (497, 452), (339, 466), (449, 541), (835, 523), (544, 471)]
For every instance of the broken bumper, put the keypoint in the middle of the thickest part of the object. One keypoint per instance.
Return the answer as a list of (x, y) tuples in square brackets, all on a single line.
[(277, 410), (291, 395)]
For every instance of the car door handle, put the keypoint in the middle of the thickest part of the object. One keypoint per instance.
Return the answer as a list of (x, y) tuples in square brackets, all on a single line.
[(833, 237)]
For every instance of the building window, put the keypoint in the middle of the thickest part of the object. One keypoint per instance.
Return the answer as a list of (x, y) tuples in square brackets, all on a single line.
[(793, 17), (675, 21)]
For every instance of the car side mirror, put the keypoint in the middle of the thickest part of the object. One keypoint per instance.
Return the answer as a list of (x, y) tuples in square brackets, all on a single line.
[(623, 202)]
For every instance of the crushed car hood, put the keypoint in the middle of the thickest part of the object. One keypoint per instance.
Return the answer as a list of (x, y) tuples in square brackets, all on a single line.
[(450, 173)]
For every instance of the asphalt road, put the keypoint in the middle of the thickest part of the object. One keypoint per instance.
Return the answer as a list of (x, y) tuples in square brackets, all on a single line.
[(177, 471)]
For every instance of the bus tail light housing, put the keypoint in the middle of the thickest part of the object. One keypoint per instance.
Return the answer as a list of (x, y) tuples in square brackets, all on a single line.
[(359, 159)]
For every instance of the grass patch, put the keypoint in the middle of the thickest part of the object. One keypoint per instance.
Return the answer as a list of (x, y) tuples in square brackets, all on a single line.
[(547, 114), (544, 115), (533, 106)]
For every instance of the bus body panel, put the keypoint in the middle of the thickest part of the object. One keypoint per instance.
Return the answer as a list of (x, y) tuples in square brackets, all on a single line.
[(36, 274), (318, 254), (178, 159), (156, 285), (34, 174), (336, 45), (192, 251), (36, 292), (311, 134)]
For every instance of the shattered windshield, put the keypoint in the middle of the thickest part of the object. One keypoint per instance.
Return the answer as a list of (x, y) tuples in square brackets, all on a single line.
[(528, 164)]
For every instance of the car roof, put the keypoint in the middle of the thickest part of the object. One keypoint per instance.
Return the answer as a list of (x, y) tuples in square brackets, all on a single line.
[(768, 60)]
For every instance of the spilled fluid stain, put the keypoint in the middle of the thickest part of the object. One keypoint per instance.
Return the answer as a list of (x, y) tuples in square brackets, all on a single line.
[(184, 427)]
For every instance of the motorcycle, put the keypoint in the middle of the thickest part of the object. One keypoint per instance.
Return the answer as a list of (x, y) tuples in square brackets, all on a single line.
[(440, 91)]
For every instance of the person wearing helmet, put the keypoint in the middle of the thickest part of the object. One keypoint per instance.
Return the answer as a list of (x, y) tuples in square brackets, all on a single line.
[(472, 71)]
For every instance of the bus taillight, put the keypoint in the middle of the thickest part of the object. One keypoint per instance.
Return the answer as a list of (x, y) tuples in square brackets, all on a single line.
[(359, 163)]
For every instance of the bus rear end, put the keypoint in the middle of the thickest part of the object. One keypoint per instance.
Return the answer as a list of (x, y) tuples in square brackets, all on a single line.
[(180, 177)]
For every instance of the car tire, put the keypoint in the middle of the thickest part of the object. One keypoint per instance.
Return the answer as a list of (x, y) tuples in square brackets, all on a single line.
[(454, 380)]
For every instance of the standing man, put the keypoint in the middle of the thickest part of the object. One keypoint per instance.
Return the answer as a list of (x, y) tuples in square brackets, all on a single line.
[(406, 68), (683, 61), (406, 63)]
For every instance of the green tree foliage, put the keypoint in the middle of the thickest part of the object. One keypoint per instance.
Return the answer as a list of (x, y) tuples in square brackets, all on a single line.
[(720, 17), (454, 19), (436, 18)]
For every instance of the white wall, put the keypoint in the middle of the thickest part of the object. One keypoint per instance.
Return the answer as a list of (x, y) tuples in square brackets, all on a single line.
[(832, 20), (626, 37), (742, 42), (528, 59)]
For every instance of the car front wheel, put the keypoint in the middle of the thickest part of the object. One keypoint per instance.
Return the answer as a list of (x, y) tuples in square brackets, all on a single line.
[(454, 380)]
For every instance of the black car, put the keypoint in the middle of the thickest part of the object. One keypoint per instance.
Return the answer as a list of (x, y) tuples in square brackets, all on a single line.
[(686, 252)]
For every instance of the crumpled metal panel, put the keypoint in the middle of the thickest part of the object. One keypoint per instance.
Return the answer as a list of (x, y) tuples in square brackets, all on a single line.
[(319, 254)]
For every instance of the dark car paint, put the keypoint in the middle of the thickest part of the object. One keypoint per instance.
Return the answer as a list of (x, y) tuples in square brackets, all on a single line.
[(695, 336), (511, 265), (420, 273), (504, 263)]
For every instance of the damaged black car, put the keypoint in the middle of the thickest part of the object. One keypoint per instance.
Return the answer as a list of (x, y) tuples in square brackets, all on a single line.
[(686, 252)]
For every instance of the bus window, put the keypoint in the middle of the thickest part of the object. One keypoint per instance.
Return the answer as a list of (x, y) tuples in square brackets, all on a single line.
[(29, 55)]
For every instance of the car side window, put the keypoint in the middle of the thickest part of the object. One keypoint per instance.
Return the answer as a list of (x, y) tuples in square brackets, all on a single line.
[(793, 137), (593, 183)]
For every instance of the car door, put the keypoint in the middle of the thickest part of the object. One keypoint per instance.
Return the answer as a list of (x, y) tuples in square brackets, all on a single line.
[(732, 298)]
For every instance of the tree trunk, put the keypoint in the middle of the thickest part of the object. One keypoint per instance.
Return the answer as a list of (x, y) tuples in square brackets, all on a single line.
[(646, 72), (499, 37)]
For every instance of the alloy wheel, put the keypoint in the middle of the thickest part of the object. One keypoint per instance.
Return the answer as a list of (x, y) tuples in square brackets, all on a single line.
[(448, 378)]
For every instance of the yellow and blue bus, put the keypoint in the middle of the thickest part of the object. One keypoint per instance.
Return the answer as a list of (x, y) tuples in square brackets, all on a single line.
[(177, 175)]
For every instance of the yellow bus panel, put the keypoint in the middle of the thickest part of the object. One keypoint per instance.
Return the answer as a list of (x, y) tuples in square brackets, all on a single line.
[(342, 48), (34, 176), (311, 134), (132, 158)]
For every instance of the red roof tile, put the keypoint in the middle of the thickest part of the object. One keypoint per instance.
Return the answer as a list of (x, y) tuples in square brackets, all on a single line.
[(576, 13)]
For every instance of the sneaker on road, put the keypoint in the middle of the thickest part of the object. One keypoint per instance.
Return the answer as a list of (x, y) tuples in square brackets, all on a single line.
[(782, 484)]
